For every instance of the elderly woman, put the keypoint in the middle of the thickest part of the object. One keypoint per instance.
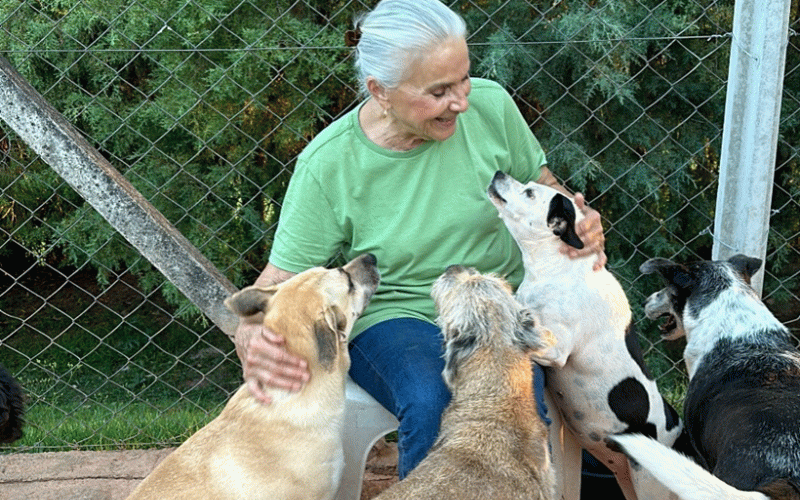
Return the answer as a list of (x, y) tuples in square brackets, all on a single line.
[(403, 176)]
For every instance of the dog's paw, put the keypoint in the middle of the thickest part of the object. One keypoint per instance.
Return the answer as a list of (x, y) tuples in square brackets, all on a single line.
[(551, 355)]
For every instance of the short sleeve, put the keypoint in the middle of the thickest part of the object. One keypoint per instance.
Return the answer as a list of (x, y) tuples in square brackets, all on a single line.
[(308, 234), (529, 157)]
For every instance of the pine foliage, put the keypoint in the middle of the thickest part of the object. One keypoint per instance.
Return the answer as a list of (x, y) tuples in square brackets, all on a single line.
[(205, 105)]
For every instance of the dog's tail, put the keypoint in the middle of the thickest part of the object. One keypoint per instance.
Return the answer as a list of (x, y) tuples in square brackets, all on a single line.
[(677, 472)]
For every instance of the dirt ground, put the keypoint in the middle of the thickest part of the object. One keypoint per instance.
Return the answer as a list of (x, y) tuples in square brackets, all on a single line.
[(112, 475)]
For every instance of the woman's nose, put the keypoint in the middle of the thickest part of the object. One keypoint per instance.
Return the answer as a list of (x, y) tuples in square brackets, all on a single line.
[(460, 101)]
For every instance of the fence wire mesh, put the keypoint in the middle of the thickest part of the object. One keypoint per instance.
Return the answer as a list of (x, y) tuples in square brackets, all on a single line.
[(204, 106)]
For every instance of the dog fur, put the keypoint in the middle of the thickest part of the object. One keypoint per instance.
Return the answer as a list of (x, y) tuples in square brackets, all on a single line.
[(12, 408), (492, 443), (596, 376), (292, 448), (742, 408)]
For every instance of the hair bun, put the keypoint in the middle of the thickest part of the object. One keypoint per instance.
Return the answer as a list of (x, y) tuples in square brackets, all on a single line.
[(351, 37)]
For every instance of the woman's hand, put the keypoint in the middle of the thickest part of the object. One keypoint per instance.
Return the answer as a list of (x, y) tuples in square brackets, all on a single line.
[(267, 364), (590, 231)]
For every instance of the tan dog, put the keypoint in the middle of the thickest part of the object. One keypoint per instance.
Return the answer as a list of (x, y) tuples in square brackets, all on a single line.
[(292, 448), (492, 443)]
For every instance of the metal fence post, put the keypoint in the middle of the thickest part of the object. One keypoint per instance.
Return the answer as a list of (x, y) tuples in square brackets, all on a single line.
[(750, 132)]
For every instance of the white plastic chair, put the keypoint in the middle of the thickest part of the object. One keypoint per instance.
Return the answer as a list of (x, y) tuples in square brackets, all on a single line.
[(566, 454), (365, 422)]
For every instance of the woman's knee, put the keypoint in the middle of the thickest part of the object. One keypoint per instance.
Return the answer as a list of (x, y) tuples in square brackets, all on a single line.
[(423, 401)]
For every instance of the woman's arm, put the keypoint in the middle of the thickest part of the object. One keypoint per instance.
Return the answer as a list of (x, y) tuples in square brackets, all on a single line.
[(265, 361)]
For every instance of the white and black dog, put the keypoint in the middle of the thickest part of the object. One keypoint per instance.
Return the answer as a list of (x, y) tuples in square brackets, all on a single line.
[(742, 408), (596, 375)]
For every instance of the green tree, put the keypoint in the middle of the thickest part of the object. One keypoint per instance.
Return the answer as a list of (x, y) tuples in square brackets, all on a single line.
[(205, 105)]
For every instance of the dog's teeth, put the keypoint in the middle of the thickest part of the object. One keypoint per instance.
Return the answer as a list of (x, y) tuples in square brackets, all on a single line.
[(669, 325)]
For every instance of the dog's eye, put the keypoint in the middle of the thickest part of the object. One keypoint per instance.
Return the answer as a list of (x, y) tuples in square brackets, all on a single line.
[(350, 285), (529, 193)]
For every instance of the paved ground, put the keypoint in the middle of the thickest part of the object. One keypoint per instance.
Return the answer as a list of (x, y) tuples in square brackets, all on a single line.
[(112, 475)]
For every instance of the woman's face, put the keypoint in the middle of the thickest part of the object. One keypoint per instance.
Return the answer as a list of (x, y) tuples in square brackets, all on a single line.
[(425, 105)]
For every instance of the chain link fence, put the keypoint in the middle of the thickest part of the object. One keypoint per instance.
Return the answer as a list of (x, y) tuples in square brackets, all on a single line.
[(204, 105)]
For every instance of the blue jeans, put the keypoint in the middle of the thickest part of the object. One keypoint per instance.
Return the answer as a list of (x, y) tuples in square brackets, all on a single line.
[(399, 362)]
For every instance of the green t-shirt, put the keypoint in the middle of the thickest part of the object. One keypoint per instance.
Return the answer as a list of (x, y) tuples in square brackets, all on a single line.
[(418, 211)]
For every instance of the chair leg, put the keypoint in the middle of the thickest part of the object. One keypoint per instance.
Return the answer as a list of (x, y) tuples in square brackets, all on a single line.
[(566, 455), (366, 421)]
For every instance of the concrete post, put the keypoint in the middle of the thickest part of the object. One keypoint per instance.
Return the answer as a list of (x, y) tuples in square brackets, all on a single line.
[(59, 144), (750, 132)]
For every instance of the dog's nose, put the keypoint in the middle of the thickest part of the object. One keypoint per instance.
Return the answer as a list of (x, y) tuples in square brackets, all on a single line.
[(499, 176), (370, 259), (454, 269)]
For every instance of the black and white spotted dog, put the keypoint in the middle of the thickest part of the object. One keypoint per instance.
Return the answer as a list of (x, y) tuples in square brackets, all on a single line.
[(597, 376), (742, 408), (12, 407)]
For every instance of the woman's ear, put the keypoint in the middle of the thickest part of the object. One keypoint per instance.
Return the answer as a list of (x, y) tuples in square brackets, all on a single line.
[(378, 92)]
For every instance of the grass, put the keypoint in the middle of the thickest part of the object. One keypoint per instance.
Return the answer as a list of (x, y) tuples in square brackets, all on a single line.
[(91, 405), (114, 427), (110, 369)]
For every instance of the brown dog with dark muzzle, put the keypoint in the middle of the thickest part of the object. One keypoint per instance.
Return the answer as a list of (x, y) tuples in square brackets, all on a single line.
[(292, 448)]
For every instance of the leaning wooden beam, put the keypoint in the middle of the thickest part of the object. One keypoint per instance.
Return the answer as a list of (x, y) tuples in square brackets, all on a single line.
[(92, 176), (59, 144)]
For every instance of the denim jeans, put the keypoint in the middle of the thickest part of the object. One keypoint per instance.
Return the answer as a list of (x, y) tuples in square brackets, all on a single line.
[(399, 362)]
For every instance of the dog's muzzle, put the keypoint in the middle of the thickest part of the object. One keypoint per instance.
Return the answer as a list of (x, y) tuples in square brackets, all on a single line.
[(494, 194), (499, 177), (659, 306)]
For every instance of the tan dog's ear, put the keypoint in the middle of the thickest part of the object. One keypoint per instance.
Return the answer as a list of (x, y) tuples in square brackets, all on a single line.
[(458, 346), (327, 344), (250, 300), (329, 332), (336, 321)]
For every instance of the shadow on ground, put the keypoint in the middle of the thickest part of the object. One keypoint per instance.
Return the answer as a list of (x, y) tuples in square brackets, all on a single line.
[(112, 475)]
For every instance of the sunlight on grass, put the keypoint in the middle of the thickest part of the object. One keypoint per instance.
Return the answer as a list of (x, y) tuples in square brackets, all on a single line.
[(111, 427)]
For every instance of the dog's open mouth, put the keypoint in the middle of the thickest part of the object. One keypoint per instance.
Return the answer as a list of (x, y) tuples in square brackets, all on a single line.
[(659, 307), (669, 327)]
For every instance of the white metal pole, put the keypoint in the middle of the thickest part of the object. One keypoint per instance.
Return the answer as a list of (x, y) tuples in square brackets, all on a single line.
[(750, 132)]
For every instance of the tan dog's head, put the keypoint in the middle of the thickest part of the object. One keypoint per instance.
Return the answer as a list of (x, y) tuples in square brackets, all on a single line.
[(478, 311), (315, 310)]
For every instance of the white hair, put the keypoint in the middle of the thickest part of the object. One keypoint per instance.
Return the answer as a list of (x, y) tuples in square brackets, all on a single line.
[(396, 32)]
